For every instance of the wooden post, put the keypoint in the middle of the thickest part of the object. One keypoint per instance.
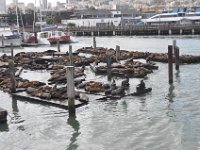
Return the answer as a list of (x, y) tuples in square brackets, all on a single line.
[(71, 91), (177, 58), (58, 45), (70, 55), (35, 35), (94, 42), (12, 76), (170, 64), (117, 52), (109, 68), (12, 53), (174, 46), (2, 40)]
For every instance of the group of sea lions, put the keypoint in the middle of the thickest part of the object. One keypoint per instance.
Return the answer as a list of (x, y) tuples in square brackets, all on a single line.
[(55, 63)]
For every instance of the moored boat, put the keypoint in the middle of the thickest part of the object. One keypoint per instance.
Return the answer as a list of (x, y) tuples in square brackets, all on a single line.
[(51, 37), (7, 37)]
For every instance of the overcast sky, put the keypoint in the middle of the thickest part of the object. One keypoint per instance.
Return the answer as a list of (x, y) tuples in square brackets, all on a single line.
[(37, 1)]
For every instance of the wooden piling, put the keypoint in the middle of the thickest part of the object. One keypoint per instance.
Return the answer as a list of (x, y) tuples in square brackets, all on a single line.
[(176, 58), (174, 46), (12, 52), (109, 68), (71, 55), (35, 35), (12, 76), (71, 91), (117, 52), (170, 63), (58, 45), (94, 42), (2, 40)]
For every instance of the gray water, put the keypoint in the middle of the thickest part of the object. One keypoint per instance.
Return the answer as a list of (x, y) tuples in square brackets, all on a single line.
[(166, 119)]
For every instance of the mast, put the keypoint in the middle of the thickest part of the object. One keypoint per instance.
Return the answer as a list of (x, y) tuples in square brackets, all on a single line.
[(40, 11), (16, 9), (34, 17), (22, 21)]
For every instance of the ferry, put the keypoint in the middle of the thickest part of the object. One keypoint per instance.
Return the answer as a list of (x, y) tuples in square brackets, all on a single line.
[(176, 16)]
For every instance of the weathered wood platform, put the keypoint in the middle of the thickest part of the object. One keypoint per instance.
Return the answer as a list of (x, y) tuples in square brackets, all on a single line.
[(3, 115), (56, 103), (3, 64)]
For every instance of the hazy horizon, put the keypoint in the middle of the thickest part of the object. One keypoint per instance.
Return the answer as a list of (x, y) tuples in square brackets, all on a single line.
[(37, 1)]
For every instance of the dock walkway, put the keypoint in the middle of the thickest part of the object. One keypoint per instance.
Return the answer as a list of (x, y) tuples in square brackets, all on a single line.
[(136, 30)]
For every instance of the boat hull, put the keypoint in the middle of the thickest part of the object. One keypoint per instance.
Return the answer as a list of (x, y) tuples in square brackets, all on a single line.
[(51, 37), (6, 42)]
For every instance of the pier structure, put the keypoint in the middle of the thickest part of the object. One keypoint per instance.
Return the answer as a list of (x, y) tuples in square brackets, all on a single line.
[(136, 30)]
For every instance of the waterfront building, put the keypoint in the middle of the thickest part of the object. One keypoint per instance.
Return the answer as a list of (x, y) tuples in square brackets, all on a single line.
[(2, 6), (49, 6), (21, 6), (90, 18), (70, 4), (44, 4), (30, 6)]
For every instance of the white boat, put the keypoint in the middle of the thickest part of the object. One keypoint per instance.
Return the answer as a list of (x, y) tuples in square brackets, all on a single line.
[(51, 37), (181, 16), (7, 37)]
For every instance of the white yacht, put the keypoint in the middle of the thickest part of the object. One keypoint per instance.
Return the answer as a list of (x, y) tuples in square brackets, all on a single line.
[(7, 36)]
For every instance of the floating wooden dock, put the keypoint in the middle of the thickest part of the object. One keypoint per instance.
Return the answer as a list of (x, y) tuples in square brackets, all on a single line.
[(3, 115), (56, 103), (3, 64)]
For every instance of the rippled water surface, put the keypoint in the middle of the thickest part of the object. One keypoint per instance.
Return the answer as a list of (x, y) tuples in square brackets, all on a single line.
[(166, 119)]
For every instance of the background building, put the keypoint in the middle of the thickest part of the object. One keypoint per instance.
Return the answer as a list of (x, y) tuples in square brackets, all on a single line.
[(44, 4), (71, 4), (2, 6)]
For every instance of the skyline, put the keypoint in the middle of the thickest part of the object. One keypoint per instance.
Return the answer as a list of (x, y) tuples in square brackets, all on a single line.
[(37, 1)]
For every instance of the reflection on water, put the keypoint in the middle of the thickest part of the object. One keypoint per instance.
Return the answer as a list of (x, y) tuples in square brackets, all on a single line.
[(76, 126), (170, 97), (4, 127), (16, 118), (143, 106), (171, 94), (15, 108), (124, 106), (166, 118), (177, 75)]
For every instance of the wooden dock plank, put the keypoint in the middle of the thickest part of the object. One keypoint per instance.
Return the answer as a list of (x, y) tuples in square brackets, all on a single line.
[(56, 103)]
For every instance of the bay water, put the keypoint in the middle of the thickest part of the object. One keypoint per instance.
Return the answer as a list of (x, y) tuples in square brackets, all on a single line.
[(168, 118)]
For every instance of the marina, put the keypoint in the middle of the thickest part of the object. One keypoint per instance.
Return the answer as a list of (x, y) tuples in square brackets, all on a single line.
[(168, 113)]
